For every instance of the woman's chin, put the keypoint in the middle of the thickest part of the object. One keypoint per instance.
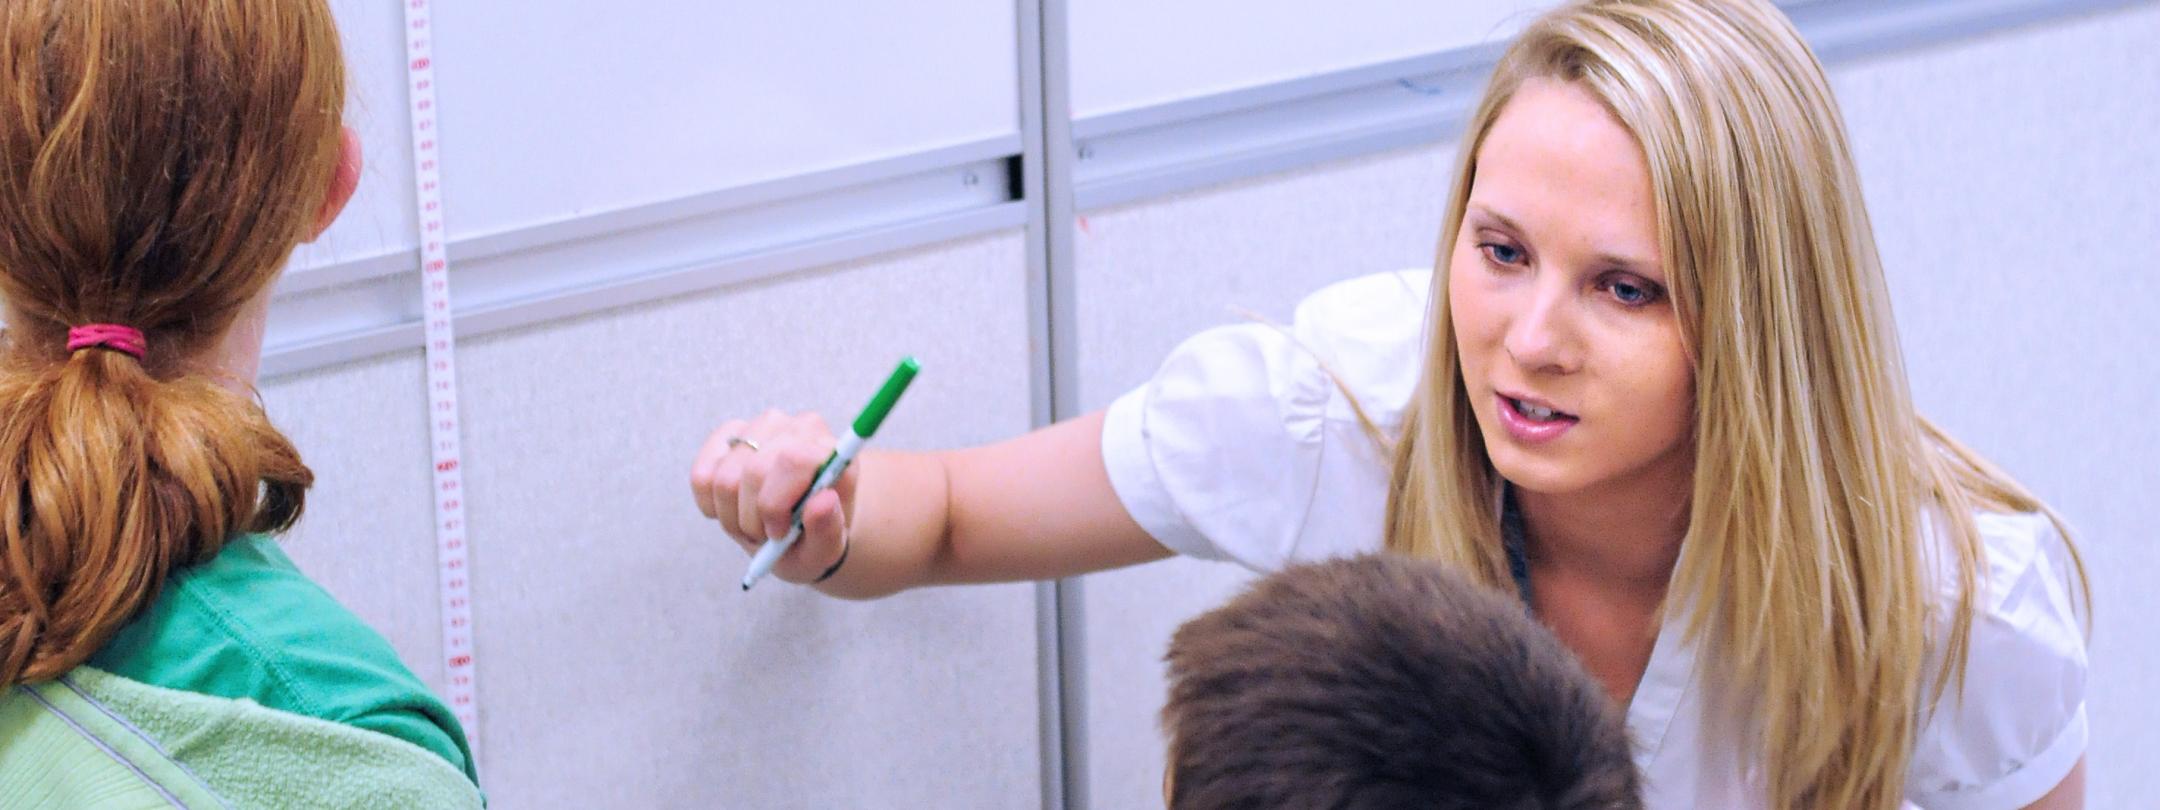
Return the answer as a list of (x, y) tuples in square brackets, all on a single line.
[(1533, 471)]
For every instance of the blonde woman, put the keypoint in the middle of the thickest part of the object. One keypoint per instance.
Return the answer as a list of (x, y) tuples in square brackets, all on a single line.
[(1653, 386)]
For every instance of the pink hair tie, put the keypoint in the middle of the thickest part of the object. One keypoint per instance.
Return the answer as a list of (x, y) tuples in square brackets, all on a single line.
[(123, 339)]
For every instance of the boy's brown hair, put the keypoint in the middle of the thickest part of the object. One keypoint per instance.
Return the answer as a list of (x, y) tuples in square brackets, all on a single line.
[(1381, 682)]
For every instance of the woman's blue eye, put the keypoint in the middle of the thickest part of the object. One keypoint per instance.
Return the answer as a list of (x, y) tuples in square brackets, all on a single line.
[(1631, 293), (1504, 254)]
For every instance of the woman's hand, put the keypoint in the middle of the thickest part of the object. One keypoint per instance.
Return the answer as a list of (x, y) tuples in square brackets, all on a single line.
[(749, 475)]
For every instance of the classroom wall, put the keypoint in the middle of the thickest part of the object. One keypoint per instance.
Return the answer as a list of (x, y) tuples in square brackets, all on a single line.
[(619, 663), (2017, 201)]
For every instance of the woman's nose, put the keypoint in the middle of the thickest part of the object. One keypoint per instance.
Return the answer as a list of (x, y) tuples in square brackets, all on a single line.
[(1541, 337)]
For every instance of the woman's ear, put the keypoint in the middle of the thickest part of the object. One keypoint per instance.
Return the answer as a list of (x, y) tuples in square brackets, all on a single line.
[(342, 182)]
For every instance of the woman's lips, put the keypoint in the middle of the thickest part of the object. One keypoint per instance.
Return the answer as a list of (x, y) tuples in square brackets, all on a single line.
[(1526, 430)]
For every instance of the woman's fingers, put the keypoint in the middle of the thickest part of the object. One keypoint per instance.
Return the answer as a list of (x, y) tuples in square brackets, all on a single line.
[(749, 476), (707, 486), (790, 468), (824, 526)]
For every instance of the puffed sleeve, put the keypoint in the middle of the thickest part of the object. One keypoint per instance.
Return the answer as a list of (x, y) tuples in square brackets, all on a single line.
[(2018, 727), (1243, 434)]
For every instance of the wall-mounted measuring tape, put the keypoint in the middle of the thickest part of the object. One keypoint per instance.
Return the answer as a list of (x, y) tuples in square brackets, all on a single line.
[(449, 480)]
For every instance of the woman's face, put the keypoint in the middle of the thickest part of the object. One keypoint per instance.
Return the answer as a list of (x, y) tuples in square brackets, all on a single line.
[(1571, 350)]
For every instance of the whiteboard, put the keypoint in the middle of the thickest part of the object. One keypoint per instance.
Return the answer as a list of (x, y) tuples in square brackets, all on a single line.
[(554, 111), (1128, 54)]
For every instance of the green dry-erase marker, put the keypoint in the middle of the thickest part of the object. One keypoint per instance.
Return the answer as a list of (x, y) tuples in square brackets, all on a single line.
[(859, 433)]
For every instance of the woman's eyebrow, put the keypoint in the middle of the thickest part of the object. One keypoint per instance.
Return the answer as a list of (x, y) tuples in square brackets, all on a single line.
[(1506, 222), (1632, 265)]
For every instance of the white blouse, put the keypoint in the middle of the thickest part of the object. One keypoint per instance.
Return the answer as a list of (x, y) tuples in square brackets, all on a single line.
[(1242, 449)]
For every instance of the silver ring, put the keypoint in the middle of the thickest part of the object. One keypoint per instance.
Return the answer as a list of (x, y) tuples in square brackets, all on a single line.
[(742, 441)]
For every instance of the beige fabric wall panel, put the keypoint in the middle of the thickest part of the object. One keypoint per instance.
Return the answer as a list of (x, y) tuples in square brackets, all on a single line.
[(620, 664)]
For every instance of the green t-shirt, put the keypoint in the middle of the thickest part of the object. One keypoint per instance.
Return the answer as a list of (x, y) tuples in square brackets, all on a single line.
[(248, 624)]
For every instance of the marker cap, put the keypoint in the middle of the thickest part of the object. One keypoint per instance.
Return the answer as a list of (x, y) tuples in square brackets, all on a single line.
[(874, 415)]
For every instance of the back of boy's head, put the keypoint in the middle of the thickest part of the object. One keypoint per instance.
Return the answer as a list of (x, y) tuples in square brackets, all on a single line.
[(159, 160), (1385, 682)]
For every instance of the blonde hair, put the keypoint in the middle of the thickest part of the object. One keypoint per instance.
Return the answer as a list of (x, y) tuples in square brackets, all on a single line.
[(158, 162), (1805, 567)]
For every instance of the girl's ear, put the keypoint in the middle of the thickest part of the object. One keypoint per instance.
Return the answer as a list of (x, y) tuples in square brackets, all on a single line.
[(342, 183)]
